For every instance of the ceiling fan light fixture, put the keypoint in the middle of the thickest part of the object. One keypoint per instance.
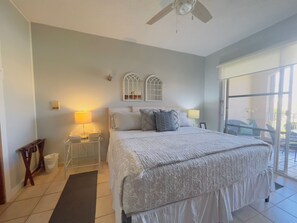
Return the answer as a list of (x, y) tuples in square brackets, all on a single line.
[(184, 7)]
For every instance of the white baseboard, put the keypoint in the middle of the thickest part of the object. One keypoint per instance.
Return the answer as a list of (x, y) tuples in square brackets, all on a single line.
[(14, 192)]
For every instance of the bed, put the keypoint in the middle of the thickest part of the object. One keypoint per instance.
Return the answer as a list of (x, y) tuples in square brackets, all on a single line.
[(188, 175)]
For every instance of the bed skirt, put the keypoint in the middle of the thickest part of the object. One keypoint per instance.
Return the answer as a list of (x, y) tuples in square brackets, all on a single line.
[(213, 207)]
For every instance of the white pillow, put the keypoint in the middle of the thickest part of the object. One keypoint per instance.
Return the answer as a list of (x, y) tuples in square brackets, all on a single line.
[(127, 121), (183, 120)]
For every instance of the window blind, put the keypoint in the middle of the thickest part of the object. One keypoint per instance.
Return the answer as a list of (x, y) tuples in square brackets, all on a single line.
[(261, 61)]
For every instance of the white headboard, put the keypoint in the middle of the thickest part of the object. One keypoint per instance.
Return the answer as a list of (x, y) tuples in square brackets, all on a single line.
[(114, 110), (136, 109)]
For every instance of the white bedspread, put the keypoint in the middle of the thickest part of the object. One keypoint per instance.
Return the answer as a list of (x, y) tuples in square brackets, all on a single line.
[(152, 169)]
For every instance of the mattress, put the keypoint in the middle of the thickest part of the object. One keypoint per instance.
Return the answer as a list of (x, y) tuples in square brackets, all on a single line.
[(151, 169)]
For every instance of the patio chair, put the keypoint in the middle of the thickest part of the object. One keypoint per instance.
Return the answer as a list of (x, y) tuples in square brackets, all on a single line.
[(292, 141), (243, 128)]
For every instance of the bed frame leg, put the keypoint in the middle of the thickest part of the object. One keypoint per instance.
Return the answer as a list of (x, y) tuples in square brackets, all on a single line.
[(126, 219), (267, 199)]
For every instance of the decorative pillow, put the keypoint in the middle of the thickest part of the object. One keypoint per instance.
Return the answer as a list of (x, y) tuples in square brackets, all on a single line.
[(148, 120), (127, 121), (166, 121), (183, 119), (245, 131)]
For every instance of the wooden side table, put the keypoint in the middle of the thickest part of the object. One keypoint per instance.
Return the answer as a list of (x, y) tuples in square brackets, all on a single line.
[(27, 151)]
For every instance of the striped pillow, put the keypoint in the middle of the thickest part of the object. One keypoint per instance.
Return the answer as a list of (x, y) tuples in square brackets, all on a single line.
[(166, 121)]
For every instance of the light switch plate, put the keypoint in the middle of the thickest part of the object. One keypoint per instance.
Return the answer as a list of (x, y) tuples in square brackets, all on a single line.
[(55, 105)]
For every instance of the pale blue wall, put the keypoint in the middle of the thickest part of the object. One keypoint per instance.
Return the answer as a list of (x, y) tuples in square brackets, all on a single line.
[(19, 101), (72, 67)]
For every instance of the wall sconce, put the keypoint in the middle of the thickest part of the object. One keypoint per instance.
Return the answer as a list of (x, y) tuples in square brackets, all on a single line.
[(83, 117), (109, 77)]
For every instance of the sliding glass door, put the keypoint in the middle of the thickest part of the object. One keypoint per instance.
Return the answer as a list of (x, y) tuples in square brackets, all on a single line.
[(264, 106)]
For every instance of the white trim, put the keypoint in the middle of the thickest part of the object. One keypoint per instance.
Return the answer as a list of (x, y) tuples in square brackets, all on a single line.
[(33, 80), (132, 79), (20, 11), (152, 96), (7, 182)]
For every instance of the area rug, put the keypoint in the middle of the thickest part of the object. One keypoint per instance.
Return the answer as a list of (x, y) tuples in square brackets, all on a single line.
[(278, 186), (77, 203)]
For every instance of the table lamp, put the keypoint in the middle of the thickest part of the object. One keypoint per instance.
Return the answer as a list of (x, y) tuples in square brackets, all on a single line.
[(83, 117), (194, 114)]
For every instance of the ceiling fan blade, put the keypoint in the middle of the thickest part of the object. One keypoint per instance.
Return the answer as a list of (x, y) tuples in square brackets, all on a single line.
[(201, 12), (161, 14)]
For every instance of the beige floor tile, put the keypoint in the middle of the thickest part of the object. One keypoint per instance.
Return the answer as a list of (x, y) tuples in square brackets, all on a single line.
[(285, 192), (245, 213), (261, 205), (236, 220), (293, 198), (104, 166), (104, 206), (277, 215), (291, 184), (60, 177), (289, 206), (259, 219), (3, 207), (45, 178), (56, 187), (104, 169), (103, 177), (18, 220), (103, 189), (276, 198), (32, 191), (106, 219), (42, 217), (47, 202), (19, 209)]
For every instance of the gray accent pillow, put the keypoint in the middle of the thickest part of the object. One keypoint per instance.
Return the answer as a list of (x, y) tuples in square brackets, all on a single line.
[(127, 121), (166, 121), (148, 120)]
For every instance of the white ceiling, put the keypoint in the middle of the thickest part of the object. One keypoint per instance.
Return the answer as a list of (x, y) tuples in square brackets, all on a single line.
[(126, 20)]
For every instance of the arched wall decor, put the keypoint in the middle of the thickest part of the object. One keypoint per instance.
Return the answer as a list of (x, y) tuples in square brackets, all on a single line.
[(132, 87), (153, 88)]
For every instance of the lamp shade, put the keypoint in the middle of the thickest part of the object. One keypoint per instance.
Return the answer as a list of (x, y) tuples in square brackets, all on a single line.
[(194, 114), (83, 117)]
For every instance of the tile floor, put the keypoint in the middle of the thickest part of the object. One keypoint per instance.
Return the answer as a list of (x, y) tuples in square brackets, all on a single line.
[(35, 204), (282, 207)]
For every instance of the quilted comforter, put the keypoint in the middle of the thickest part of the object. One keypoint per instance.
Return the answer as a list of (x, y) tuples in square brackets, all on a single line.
[(152, 169)]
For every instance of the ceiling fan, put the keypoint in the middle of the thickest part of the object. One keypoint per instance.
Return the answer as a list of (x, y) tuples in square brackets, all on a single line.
[(184, 7)]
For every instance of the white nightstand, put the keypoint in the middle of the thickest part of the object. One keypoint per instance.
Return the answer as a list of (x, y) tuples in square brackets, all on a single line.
[(85, 152)]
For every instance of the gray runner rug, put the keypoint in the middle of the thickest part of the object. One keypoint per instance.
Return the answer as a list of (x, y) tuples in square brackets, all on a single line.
[(77, 203)]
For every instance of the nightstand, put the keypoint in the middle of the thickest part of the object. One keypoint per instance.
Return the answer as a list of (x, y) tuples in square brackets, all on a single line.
[(85, 152)]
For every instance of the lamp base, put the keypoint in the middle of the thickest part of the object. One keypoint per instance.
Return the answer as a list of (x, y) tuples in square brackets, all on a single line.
[(84, 136)]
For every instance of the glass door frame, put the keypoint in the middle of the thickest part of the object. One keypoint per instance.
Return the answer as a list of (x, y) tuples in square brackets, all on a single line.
[(224, 113)]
